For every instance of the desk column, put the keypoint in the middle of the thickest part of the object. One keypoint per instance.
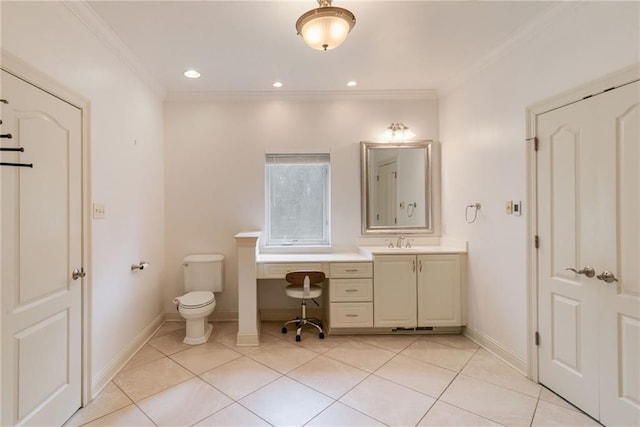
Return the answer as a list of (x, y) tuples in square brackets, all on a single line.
[(247, 290)]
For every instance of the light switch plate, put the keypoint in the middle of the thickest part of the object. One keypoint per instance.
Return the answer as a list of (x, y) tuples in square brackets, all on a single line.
[(98, 211), (517, 207), (508, 207)]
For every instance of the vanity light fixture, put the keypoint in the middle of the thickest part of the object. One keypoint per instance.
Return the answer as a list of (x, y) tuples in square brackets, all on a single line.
[(352, 83), (192, 74), (398, 132), (277, 84), (325, 27)]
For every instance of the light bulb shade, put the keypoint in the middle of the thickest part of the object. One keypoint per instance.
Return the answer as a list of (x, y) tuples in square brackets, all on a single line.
[(325, 28), (398, 132)]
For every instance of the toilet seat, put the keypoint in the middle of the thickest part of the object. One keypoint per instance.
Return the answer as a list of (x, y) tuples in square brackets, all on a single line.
[(196, 299)]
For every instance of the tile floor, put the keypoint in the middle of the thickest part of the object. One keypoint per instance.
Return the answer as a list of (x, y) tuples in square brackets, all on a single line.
[(426, 380)]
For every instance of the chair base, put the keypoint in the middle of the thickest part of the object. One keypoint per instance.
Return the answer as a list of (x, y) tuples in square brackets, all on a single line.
[(304, 320)]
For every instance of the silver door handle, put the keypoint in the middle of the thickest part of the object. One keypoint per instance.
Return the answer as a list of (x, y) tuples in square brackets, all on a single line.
[(587, 271), (76, 274), (607, 276)]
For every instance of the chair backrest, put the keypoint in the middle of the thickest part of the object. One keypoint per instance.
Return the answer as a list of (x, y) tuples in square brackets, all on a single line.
[(297, 277)]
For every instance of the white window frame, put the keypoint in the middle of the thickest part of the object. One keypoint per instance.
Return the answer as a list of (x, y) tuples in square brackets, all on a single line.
[(299, 159)]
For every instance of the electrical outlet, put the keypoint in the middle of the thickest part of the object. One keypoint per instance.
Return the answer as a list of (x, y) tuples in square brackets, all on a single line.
[(98, 211), (508, 207)]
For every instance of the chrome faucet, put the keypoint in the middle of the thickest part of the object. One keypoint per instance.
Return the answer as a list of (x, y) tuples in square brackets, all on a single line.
[(399, 241)]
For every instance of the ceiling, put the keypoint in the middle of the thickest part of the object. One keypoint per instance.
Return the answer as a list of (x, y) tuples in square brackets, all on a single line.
[(244, 46)]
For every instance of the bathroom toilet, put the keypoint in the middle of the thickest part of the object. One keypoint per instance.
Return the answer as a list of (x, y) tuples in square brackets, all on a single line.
[(203, 275)]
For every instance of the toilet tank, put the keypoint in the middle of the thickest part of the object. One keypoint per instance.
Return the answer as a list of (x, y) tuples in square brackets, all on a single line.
[(203, 273)]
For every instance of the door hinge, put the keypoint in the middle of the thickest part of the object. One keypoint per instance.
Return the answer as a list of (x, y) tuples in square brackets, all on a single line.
[(537, 338), (536, 242)]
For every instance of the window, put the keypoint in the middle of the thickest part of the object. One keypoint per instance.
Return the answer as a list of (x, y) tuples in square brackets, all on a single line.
[(297, 199)]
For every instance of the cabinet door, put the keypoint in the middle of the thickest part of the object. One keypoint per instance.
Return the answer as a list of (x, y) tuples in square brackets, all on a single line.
[(439, 286), (394, 291)]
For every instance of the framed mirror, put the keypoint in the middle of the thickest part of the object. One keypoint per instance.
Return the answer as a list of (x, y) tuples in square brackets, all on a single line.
[(396, 187)]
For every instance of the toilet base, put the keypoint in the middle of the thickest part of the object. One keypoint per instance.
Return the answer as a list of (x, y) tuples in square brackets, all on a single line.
[(198, 332)]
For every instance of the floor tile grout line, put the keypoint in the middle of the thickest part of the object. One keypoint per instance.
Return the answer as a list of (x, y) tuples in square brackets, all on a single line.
[(439, 398), (131, 402), (213, 413), (145, 414), (352, 408), (535, 410), (257, 415)]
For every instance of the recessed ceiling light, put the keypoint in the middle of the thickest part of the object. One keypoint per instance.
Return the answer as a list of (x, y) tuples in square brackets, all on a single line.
[(352, 83), (277, 84), (192, 74)]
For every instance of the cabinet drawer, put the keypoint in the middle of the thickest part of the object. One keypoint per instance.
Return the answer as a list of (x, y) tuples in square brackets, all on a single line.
[(344, 290), (352, 315), (279, 270), (351, 269)]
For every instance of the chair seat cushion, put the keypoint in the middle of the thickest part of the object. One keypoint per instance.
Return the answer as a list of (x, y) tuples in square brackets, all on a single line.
[(295, 291)]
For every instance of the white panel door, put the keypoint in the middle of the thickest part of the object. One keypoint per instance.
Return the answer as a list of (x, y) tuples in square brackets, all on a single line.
[(619, 301), (387, 193), (588, 220), (41, 246), (394, 291)]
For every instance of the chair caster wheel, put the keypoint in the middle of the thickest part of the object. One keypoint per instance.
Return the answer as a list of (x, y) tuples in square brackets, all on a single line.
[(284, 330), (321, 336), (297, 338)]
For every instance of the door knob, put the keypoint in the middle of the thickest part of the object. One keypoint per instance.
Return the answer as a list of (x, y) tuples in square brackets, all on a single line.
[(587, 271), (607, 276), (76, 274)]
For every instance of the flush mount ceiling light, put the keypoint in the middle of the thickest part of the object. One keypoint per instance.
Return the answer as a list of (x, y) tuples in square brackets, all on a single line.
[(192, 74), (325, 27), (398, 132)]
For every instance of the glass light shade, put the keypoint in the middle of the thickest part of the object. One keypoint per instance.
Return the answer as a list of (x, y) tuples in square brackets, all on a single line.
[(398, 132), (325, 28)]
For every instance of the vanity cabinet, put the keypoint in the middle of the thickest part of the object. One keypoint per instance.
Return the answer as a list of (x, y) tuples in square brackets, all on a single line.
[(412, 291), (351, 295)]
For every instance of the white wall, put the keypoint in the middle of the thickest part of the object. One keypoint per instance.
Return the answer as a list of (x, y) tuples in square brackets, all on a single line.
[(482, 131), (215, 168), (127, 176)]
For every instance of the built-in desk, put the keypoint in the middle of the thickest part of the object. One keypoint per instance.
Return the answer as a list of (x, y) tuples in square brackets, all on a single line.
[(253, 266), (276, 266)]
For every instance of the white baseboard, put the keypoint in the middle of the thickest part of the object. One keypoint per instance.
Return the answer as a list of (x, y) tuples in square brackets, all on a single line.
[(497, 349), (100, 380), (248, 340)]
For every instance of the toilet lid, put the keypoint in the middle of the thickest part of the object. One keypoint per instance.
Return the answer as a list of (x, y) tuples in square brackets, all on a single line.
[(196, 299)]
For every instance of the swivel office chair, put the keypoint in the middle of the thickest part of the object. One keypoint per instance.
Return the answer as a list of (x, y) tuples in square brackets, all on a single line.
[(304, 286)]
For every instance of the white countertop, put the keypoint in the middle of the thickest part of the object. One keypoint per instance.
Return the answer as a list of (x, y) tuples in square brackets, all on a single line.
[(415, 250), (365, 254), (314, 257)]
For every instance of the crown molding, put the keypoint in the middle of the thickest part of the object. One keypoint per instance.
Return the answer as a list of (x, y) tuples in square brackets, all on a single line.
[(88, 16), (518, 38), (303, 95)]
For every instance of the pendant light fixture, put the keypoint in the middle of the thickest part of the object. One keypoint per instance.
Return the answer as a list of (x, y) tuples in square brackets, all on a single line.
[(325, 27)]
